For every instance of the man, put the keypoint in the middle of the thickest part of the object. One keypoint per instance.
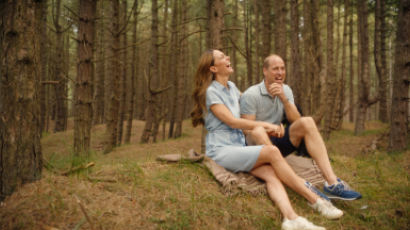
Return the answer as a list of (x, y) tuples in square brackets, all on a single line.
[(269, 101)]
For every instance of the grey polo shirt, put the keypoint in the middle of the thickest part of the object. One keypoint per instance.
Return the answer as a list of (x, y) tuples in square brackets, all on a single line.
[(257, 101)]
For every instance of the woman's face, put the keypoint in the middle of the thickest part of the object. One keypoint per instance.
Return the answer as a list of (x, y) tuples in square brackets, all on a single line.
[(222, 64)]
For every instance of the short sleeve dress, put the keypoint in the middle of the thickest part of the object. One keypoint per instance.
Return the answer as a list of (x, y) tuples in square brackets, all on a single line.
[(225, 145)]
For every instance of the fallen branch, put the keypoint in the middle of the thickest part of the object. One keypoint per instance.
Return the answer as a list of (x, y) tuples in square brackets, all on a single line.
[(84, 212), (96, 179), (52, 169), (75, 169)]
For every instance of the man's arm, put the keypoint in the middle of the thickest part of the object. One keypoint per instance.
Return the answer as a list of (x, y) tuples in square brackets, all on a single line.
[(292, 113)]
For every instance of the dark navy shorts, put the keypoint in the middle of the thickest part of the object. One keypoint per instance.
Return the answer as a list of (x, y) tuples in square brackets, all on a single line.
[(286, 147)]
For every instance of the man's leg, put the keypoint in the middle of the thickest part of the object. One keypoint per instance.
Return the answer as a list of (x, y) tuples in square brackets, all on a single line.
[(305, 129)]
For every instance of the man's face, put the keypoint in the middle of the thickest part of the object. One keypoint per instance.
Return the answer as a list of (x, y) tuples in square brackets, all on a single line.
[(276, 72)]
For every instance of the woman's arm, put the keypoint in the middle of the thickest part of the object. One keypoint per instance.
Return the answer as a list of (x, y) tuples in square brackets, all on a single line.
[(225, 115)]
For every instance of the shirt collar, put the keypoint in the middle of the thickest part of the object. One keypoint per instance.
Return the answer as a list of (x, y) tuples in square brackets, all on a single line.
[(219, 86), (263, 89)]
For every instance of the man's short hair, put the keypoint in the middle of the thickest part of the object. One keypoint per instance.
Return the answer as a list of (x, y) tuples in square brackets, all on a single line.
[(267, 59)]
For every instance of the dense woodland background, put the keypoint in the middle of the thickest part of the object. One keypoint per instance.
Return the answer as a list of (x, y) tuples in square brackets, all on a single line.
[(112, 62)]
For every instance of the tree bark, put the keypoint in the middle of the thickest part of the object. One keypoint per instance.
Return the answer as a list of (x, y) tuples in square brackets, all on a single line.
[(41, 12), (308, 59), (399, 123), (259, 51), (280, 29), (83, 94), (351, 66), (113, 79), (134, 69), (248, 47), (267, 27), (339, 113), (124, 73), (331, 77), (181, 77), (216, 23), (20, 152), (60, 92), (380, 31), (172, 65), (153, 104), (295, 75), (363, 73), (99, 91)]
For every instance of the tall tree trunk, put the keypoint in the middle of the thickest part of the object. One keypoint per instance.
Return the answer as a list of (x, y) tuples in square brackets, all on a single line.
[(318, 83), (41, 11), (351, 66), (259, 51), (399, 123), (182, 63), (124, 71), (295, 76), (331, 77), (267, 28), (20, 152), (163, 68), (134, 69), (83, 92), (216, 23), (113, 79), (307, 78), (172, 65), (99, 93), (248, 46), (280, 28), (339, 113), (380, 31), (235, 39), (153, 103), (60, 92), (313, 61), (364, 75)]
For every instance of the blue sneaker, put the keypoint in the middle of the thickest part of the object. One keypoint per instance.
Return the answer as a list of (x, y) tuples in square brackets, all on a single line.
[(316, 191), (340, 190)]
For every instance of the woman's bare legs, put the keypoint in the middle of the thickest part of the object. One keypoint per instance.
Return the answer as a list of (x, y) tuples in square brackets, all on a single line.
[(276, 191), (271, 155)]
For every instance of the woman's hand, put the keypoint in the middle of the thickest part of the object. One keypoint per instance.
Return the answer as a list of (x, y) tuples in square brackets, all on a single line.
[(275, 130)]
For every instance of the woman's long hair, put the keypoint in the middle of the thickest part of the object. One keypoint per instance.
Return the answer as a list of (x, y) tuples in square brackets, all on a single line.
[(203, 79)]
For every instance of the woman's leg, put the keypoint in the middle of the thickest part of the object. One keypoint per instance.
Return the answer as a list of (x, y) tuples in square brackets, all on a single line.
[(271, 155), (276, 191)]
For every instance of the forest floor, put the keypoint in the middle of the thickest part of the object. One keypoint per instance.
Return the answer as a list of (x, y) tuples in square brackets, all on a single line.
[(135, 191)]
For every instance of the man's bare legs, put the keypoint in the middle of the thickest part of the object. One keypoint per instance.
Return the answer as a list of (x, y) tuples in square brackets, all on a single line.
[(305, 129)]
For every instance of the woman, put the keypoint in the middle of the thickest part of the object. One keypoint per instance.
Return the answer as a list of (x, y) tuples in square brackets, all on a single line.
[(217, 107)]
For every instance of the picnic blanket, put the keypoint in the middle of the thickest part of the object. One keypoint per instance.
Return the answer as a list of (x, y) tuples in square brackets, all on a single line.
[(233, 183)]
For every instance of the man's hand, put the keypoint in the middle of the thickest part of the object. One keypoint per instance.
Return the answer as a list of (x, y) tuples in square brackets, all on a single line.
[(278, 132), (276, 89)]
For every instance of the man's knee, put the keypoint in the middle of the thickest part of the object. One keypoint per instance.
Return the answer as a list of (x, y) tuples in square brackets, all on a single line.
[(307, 123)]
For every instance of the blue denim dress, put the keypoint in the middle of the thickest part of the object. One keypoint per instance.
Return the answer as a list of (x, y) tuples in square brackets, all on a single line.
[(225, 145)]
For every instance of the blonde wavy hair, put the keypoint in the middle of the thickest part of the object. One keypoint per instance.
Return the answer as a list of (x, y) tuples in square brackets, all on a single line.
[(203, 79)]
